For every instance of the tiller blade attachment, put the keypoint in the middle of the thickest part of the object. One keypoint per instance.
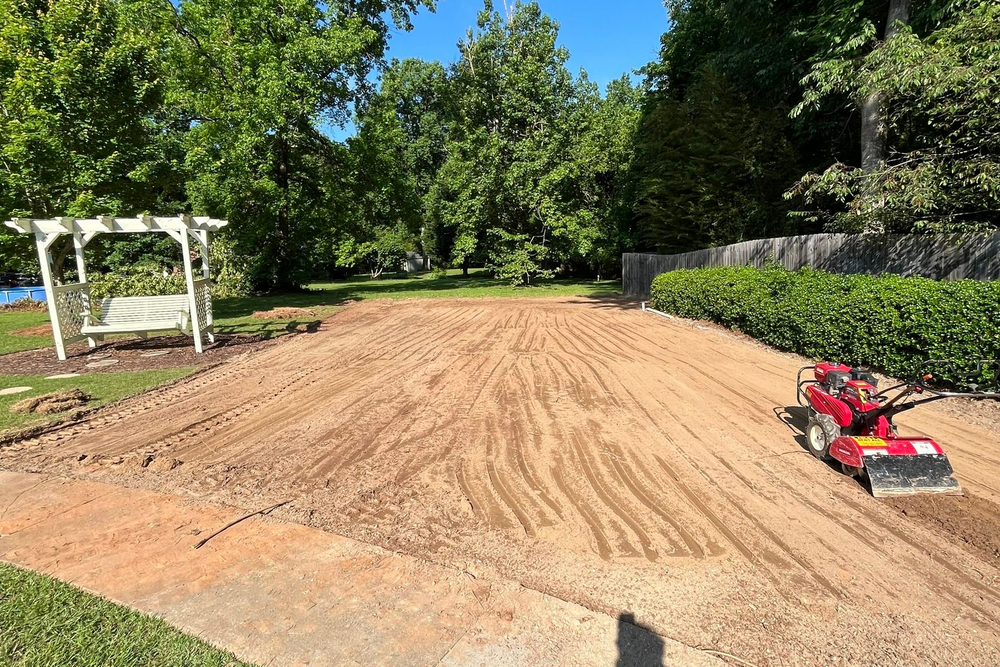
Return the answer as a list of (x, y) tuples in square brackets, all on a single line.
[(911, 475), (898, 466)]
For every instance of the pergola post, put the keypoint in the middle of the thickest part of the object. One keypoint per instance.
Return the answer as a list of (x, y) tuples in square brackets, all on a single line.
[(205, 300), (42, 244), (203, 242), (79, 243), (192, 298)]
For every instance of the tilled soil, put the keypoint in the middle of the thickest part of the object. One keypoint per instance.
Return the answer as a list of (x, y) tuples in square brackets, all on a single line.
[(609, 457)]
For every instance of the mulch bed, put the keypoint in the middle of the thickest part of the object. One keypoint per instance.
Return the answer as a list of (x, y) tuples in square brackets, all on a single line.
[(128, 352)]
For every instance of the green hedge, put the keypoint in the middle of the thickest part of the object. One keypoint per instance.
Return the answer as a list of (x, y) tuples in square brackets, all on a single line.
[(135, 284), (887, 322)]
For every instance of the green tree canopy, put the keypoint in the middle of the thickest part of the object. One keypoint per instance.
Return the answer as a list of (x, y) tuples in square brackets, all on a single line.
[(84, 124), (534, 156), (941, 171), (260, 78)]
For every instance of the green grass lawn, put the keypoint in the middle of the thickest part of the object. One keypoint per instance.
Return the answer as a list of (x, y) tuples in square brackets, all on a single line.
[(235, 313), (46, 623), (15, 321), (103, 387), (234, 316)]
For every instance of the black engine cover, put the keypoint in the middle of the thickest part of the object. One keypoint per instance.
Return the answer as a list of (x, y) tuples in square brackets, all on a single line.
[(858, 374), (837, 379)]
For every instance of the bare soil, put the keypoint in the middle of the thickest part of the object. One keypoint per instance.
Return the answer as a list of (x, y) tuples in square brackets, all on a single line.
[(40, 330), (969, 521), (51, 403), (282, 313), (579, 447)]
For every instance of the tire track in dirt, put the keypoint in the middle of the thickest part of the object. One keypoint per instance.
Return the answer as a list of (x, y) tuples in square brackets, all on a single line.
[(695, 502), (783, 546), (490, 509), (181, 438), (691, 546), (604, 549), (526, 508), (983, 589), (520, 425), (508, 498), (607, 497), (130, 407), (721, 527), (708, 513)]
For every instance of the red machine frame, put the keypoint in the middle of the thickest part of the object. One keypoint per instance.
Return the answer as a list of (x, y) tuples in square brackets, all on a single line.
[(851, 421)]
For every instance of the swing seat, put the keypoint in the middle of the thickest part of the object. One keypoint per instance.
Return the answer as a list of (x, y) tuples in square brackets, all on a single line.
[(139, 314)]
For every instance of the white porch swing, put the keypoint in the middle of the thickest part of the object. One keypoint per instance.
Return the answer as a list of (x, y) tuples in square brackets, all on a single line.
[(69, 304)]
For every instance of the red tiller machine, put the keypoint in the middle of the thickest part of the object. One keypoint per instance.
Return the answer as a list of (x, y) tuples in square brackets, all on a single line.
[(850, 421)]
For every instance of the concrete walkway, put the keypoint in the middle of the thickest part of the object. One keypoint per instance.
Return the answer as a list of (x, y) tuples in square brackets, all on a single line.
[(285, 594)]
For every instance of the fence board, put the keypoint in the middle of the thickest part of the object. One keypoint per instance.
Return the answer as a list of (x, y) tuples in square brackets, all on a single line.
[(942, 257)]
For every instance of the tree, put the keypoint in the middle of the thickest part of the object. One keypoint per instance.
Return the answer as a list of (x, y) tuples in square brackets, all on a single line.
[(399, 148), (84, 127), (941, 127), (603, 157), (259, 79), (873, 130), (515, 165), (382, 248), (716, 149), (710, 169), (517, 258)]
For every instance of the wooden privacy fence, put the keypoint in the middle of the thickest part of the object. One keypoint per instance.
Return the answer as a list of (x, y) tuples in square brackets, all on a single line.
[(942, 257)]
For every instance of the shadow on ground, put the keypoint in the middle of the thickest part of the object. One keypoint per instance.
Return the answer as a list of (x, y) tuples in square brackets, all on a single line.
[(612, 301), (796, 418), (637, 646)]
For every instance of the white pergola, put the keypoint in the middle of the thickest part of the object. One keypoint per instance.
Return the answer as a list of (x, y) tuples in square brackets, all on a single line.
[(69, 304)]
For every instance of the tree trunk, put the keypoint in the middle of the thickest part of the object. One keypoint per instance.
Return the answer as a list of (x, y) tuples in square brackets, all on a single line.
[(60, 252), (465, 267), (282, 259), (873, 130)]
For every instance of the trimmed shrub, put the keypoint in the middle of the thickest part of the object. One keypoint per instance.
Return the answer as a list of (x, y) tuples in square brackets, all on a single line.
[(891, 323), (134, 284), (24, 303), (230, 271)]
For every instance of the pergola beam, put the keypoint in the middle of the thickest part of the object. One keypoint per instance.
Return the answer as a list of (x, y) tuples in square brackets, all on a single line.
[(111, 225)]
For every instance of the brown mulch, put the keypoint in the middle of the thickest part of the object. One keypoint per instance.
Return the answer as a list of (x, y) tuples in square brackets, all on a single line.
[(128, 352), (47, 404), (282, 313), (40, 330)]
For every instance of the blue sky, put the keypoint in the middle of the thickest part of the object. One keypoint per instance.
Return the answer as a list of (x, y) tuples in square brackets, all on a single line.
[(605, 37)]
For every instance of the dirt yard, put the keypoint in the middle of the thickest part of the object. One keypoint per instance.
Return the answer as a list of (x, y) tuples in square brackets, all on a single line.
[(587, 450)]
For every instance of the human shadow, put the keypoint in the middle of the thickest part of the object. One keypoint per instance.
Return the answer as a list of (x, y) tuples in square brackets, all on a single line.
[(638, 646)]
